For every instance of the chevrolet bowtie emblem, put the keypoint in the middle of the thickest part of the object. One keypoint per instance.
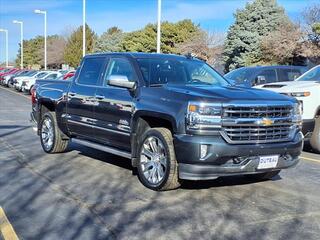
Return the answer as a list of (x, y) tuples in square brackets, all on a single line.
[(265, 122)]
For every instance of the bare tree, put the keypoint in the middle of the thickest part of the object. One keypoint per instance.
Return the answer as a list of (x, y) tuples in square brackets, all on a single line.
[(207, 46)]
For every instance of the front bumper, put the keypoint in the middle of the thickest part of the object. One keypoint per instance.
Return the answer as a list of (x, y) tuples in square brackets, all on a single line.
[(224, 159)]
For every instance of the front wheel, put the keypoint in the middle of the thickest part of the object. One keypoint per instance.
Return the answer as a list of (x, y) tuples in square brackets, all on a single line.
[(51, 135), (157, 164)]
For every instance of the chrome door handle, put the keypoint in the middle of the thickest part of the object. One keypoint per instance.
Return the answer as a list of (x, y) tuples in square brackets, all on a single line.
[(99, 97)]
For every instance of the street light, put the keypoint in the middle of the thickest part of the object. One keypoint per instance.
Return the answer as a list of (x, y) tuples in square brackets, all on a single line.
[(83, 28), (21, 40), (37, 11), (159, 28), (6, 32)]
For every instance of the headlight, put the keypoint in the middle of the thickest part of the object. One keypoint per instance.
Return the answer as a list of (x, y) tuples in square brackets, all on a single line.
[(297, 114), (203, 116), (300, 94)]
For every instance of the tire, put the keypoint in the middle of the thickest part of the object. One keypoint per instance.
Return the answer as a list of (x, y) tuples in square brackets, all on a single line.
[(161, 162), (56, 143), (262, 176), (315, 138)]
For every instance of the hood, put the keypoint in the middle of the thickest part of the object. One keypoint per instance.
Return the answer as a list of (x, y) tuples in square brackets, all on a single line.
[(289, 86), (227, 94)]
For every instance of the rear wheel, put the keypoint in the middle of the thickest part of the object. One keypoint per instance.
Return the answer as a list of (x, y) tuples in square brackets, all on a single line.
[(157, 164), (51, 135), (262, 176)]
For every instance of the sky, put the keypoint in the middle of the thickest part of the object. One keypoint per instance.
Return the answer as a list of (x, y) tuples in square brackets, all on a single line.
[(129, 15)]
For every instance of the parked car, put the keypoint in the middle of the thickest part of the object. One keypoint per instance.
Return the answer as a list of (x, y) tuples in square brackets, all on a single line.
[(252, 76), (175, 117), (307, 90), (6, 79), (28, 83), (6, 73), (69, 74), (13, 81)]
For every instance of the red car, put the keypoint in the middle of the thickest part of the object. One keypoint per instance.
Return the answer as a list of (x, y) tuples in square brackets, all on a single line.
[(8, 71), (69, 74)]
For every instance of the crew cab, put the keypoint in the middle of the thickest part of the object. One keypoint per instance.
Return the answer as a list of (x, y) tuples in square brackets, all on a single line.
[(306, 89), (174, 116)]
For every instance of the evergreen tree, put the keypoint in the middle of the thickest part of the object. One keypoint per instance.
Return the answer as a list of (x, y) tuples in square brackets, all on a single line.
[(73, 50), (110, 40), (172, 34), (255, 21)]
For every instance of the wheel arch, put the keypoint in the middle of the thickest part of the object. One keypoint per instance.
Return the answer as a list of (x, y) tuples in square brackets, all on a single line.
[(144, 120)]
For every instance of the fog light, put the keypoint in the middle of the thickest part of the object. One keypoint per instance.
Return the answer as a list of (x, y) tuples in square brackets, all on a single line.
[(203, 151)]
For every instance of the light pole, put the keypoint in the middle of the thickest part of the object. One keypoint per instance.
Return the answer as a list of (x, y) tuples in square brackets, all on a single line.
[(83, 28), (37, 11), (6, 32), (21, 40), (159, 28)]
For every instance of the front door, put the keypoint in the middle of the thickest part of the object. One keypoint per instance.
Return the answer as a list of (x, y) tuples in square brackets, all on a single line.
[(115, 106), (81, 97)]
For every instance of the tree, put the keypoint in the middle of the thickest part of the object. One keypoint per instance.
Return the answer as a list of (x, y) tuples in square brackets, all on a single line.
[(31, 52), (73, 50), (55, 49), (206, 46), (311, 17), (283, 46), (34, 51), (110, 41), (255, 21), (172, 34)]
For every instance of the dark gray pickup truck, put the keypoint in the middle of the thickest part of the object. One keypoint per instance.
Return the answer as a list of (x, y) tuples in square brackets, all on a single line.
[(174, 116)]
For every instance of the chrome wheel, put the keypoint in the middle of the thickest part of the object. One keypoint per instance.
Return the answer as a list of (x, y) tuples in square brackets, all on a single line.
[(153, 160), (47, 133)]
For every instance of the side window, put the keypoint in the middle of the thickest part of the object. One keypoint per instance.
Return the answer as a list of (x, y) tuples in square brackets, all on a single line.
[(51, 76), (122, 67), (268, 76), (91, 70), (288, 74)]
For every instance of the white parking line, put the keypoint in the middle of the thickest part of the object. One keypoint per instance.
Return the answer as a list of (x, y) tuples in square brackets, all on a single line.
[(310, 159)]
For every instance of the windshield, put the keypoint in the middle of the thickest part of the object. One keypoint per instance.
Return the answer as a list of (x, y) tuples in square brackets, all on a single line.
[(185, 72), (241, 75), (311, 75), (41, 75)]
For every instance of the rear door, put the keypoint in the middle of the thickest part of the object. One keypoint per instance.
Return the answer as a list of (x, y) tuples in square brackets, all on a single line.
[(115, 105), (81, 97)]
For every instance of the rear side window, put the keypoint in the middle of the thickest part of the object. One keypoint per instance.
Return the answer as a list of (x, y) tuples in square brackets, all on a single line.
[(91, 71), (268, 75), (51, 76), (288, 74)]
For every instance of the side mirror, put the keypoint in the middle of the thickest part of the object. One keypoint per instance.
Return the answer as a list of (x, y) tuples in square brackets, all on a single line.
[(260, 80), (120, 81)]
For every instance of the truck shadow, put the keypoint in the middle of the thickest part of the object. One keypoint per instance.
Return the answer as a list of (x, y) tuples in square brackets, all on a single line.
[(185, 184)]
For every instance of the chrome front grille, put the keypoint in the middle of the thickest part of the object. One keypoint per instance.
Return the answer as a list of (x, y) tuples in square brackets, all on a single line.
[(257, 112), (257, 124)]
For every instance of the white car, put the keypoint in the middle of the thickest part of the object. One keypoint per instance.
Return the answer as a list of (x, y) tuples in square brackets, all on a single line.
[(306, 89), (19, 80), (28, 83)]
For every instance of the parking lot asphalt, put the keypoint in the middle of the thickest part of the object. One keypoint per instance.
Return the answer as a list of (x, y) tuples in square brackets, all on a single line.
[(89, 194)]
